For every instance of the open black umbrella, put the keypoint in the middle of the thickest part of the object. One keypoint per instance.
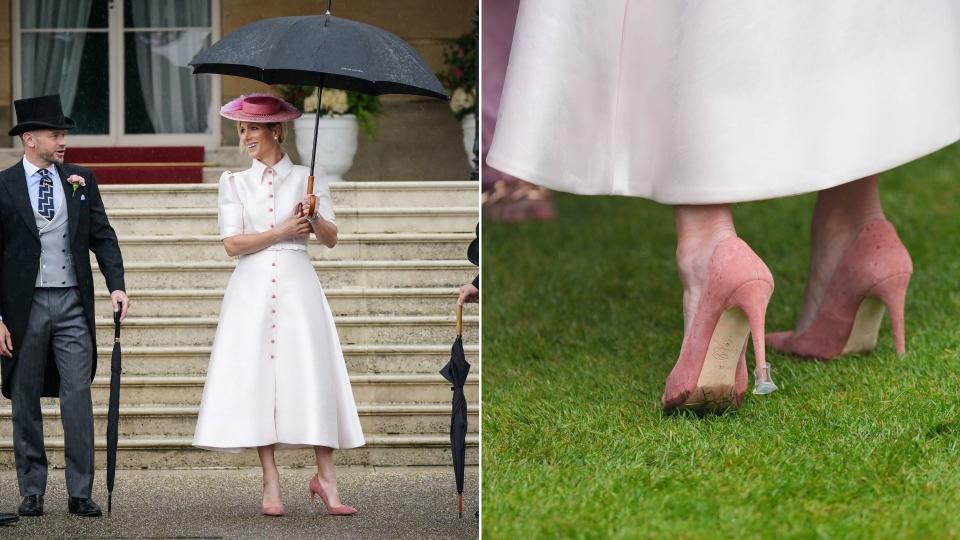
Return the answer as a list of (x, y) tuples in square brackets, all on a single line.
[(456, 372), (321, 51), (113, 410)]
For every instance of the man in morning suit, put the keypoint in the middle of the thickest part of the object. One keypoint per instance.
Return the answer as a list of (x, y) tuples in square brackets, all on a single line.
[(48, 227)]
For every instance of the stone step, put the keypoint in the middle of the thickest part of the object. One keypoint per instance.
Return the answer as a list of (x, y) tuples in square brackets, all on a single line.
[(199, 331), (360, 359), (359, 247), (206, 302), (348, 194), (333, 274), (181, 421), (173, 453), (194, 221), (379, 389)]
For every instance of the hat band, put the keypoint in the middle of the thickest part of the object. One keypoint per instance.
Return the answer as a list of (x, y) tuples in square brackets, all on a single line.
[(260, 107)]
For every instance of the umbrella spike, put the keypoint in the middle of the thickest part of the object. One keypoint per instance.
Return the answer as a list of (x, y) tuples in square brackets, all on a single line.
[(460, 505)]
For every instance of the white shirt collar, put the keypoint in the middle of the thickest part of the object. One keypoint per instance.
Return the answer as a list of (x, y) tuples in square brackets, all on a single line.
[(30, 169), (280, 170)]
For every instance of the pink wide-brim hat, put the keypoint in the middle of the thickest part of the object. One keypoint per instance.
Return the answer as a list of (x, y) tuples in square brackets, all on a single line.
[(261, 108)]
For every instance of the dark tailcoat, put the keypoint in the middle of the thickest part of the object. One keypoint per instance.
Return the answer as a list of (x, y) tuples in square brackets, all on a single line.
[(89, 231)]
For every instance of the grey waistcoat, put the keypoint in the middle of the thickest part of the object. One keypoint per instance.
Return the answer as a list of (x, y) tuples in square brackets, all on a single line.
[(56, 262)]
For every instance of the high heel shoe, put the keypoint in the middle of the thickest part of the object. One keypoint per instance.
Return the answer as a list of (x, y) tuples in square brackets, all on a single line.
[(317, 489), (711, 371), (874, 273)]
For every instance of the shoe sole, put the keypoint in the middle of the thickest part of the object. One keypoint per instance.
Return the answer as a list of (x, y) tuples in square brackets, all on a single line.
[(716, 387)]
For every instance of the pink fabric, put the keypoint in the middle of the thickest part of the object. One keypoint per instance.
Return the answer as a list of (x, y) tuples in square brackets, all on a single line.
[(497, 23)]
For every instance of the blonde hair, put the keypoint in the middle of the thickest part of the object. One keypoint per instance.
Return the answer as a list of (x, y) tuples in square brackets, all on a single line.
[(268, 125)]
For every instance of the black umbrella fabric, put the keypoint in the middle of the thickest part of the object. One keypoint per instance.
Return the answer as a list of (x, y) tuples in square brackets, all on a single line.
[(113, 410), (456, 372), (322, 51)]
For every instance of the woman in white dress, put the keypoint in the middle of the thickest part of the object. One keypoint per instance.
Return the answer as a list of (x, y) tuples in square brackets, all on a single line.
[(699, 104), (276, 378)]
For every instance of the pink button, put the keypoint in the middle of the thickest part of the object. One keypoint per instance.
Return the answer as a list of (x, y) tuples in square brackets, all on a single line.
[(270, 171), (274, 264), (274, 280), (274, 326), (274, 296), (269, 183), (271, 195), (270, 210), (274, 311), (272, 356), (271, 228), (273, 341)]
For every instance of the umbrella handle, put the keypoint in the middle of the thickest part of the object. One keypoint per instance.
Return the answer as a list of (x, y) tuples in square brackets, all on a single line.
[(312, 204), (459, 320)]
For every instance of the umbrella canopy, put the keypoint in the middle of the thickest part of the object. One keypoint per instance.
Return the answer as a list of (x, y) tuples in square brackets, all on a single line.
[(456, 372), (113, 410), (323, 51)]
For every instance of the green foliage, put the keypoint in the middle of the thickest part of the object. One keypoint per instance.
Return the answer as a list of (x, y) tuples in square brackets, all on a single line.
[(582, 323), (364, 106), (461, 74)]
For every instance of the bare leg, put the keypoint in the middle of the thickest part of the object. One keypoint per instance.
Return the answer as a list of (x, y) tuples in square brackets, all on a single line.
[(838, 216), (272, 496), (327, 473), (699, 230)]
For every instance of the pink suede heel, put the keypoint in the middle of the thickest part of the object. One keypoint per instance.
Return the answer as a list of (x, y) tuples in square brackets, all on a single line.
[(874, 273), (338, 510), (710, 374)]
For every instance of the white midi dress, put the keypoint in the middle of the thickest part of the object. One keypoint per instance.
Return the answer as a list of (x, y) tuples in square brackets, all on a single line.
[(276, 373), (718, 101)]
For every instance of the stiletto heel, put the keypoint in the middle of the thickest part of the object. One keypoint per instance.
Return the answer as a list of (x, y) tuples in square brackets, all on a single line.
[(317, 489), (710, 374), (872, 275), (753, 298), (893, 293)]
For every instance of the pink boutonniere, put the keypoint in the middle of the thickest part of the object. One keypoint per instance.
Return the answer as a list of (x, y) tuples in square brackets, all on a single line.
[(77, 181)]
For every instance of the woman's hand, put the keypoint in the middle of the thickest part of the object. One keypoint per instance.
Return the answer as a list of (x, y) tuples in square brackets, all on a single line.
[(294, 227)]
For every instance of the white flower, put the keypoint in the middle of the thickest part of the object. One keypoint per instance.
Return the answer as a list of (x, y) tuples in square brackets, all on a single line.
[(310, 103), (334, 101), (461, 100)]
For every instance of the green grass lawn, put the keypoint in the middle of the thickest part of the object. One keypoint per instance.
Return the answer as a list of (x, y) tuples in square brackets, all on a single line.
[(582, 323)]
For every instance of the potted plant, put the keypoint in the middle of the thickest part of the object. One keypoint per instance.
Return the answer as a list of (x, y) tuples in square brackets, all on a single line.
[(460, 78), (343, 114)]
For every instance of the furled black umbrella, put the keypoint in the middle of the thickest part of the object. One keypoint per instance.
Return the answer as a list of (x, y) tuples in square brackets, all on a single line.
[(456, 372), (113, 411), (321, 51)]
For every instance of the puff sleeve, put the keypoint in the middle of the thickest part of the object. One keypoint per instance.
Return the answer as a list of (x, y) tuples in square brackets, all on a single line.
[(324, 202), (230, 209)]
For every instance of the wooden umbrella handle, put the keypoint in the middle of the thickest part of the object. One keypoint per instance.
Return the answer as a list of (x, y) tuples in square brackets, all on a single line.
[(459, 320), (312, 206)]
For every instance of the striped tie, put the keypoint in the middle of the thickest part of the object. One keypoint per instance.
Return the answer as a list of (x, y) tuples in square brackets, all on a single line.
[(45, 200)]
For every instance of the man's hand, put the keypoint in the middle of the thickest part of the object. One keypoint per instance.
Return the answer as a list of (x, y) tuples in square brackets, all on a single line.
[(117, 297), (6, 343), (468, 294)]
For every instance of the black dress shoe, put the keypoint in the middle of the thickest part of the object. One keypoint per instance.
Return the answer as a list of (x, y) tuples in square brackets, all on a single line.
[(6, 519), (31, 505), (84, 507)]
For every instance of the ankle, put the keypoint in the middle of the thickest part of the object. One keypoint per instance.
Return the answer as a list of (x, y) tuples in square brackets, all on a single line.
[(694, 252)]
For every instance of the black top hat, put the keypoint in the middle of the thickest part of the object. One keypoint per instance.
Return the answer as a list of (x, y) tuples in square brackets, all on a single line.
[(44, 112)]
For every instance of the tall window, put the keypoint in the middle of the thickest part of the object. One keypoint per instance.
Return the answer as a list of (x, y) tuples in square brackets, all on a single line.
[(120, 66)]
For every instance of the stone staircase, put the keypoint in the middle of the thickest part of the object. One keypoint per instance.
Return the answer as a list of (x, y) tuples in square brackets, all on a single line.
[(391, 282)]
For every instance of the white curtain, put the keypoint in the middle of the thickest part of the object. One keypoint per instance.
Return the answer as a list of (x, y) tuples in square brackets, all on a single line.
[(51, 61), (176, 101)]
